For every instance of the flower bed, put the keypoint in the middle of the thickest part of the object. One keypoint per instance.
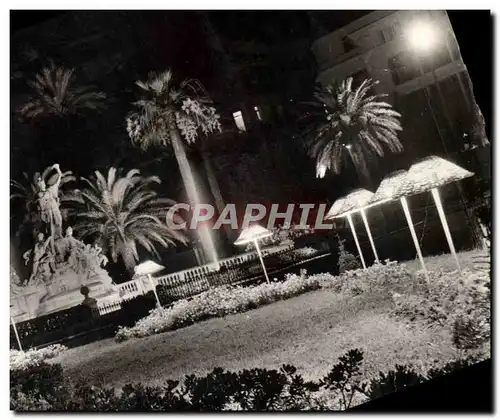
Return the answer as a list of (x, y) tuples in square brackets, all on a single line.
[(22, 360), (217, 302), (464, 308)]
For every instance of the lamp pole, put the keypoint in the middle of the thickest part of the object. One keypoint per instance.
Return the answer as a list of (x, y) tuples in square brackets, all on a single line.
[(261, 259), (367, 227), (351, 224), (16, 334), (406, 210), (154, 290), (444, 222)]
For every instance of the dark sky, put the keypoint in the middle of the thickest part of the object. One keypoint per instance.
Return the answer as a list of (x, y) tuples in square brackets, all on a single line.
[(473, 30)]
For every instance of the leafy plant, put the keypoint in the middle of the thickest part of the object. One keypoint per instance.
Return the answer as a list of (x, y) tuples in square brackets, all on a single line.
[(43, 388), (346, 260), (344, 377), (56, 93), (393, 381), (350, 121), (121, 212)]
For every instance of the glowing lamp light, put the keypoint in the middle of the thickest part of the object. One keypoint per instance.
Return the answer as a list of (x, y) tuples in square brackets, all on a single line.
[(422, 36), (253, 234), (148, 268)]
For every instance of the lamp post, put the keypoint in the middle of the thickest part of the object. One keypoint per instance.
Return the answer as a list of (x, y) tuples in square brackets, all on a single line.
[(148, 268), (396, 186), (351, 225), (424, 37), (253, 234), (16, 333), (345, 207), (430, 174)]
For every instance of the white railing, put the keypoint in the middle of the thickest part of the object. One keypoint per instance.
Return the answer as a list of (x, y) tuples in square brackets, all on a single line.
[(107, 307), (131, 288), (142, 285)]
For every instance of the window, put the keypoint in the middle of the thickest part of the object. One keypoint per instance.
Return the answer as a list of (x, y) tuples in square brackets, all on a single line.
[(403, 68), (348, 44), (238, 119), (392, 32)]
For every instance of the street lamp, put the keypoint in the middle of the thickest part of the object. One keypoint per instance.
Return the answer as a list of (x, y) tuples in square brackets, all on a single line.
[(15, 332), (423, 36), (148, 268), (430, 174), (253, 234), (396, 186), (345, 207)]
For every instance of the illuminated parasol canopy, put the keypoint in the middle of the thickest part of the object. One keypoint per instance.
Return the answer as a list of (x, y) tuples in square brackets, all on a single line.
[(146, 269), (392, 187), (430, 174), (345, 207), (253, 234)]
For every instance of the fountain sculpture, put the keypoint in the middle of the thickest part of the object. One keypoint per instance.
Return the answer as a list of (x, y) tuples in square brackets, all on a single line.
[(60, 264)]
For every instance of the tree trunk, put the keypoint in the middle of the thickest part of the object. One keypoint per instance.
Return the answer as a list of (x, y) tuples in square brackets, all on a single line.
[(206, 239), (214, 187), (128, 259)]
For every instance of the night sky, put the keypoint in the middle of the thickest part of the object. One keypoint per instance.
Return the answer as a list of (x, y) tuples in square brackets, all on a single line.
[(473, 30)]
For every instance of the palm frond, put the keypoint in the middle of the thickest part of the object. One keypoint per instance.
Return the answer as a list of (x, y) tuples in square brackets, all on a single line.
[(352, 119)]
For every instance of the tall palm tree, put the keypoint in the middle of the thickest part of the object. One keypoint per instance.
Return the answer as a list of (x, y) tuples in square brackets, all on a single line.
[(121, 212), (172, 113), (351, 121), (56, 93)]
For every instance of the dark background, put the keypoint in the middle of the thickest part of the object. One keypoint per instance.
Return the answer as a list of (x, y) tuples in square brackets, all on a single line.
[(473, 30)]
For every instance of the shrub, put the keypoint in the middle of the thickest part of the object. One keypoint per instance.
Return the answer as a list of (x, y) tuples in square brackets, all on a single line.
[(346, 260), (216, 302), (459, 300), (36, 387), (41, 388), (22, 360), (383, 278), (393, 381)]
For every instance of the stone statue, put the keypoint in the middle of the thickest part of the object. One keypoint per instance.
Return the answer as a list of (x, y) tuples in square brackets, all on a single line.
[(43, 260), (61, 265), (48, 203)]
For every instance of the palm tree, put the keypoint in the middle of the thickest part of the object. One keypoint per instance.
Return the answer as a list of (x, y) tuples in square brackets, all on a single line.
[(57, 94), (352, 121), (172, 113), (121, 212)]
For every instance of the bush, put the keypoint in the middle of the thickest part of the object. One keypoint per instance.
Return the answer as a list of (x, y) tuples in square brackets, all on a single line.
[(459, 300), (346, 260), (383, 278), (22, 360), (37, 387), (41, 388), (217, 302)]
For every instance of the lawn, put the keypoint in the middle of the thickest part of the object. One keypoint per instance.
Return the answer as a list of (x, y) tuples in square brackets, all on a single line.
[(309, 331)]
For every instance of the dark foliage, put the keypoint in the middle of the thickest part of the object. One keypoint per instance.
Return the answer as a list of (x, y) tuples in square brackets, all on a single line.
[(43, 388)]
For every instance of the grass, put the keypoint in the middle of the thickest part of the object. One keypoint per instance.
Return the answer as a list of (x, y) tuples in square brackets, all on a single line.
[(445, 262), (309, 331)]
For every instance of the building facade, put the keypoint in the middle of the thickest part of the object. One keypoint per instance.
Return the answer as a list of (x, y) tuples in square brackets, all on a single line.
[(416, 59)]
